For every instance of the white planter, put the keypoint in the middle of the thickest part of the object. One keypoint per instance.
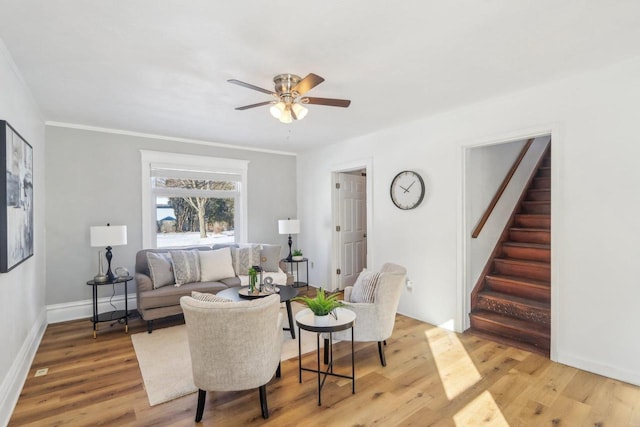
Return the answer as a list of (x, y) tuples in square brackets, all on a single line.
[(322, 320), (297, 258)]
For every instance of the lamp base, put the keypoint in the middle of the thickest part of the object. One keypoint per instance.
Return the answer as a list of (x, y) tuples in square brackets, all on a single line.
[(290, 257), (100, 278)]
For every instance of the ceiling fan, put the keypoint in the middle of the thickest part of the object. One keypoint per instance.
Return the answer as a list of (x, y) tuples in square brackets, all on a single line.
[(288, 103)]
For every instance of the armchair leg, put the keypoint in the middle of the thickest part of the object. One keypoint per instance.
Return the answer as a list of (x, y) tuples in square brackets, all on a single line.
[(201, 397), (279, 371), (263, 401), (381, 352), (149, 326)]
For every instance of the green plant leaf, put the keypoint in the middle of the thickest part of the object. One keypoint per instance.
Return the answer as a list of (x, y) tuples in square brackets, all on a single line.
[(321, 305)]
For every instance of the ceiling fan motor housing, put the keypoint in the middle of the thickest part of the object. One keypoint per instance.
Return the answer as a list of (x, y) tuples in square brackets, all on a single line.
[(284, 83)]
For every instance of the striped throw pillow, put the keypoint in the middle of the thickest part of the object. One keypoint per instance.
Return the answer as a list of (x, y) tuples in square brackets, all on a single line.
[(364, 290), (186, 266), (202, 296)]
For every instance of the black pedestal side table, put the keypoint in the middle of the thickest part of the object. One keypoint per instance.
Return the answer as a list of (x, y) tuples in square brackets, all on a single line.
[(306, 320), (294, 265), (110, 316)]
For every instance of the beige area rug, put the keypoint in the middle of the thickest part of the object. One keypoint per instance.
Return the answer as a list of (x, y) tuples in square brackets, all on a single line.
[(165, 363)]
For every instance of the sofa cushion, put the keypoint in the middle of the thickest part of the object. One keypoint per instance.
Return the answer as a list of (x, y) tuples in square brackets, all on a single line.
[(365, 287), (170, 295), (203, 296), (270, 258), (160, 269), (186, 266), (216, 265), (244, 258)]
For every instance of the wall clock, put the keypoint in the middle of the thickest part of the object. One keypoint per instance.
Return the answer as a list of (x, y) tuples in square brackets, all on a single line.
[(407, 190)]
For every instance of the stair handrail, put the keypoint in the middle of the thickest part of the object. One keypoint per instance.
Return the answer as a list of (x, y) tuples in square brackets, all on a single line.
[(503, 186)]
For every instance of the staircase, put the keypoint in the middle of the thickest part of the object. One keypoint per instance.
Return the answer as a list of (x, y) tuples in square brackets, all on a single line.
[(511, 302)]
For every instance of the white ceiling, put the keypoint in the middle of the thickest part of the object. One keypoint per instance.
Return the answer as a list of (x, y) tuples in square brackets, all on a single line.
[(161, 67)]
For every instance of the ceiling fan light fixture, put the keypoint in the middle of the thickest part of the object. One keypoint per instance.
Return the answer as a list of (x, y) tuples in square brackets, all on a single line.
[(285, 117), (299, 110), (277, 109)]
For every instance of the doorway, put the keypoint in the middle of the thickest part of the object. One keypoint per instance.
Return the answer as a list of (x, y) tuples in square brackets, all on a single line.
[(351, 214)]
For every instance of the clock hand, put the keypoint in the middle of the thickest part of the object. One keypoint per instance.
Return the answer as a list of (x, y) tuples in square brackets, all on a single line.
[(406, 190)]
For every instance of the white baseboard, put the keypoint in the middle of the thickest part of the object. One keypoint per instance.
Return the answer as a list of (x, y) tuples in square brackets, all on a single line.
[(600, 368), (84, 309), (14, 380)]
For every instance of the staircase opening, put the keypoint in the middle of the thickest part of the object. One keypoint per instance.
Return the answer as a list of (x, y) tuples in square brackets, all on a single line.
[(511, 299)]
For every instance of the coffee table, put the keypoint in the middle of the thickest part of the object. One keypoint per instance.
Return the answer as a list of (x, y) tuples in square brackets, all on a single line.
[(287, 293), (305, 319)]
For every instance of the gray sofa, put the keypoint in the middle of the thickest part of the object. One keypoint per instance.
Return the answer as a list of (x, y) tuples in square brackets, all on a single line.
[(165, 301)]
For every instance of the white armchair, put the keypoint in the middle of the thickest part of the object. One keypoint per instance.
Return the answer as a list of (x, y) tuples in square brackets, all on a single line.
[(234, 345), (375, 321)]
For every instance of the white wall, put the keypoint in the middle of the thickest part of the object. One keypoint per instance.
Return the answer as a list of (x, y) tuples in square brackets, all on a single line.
[(593, 120), (22, 310)]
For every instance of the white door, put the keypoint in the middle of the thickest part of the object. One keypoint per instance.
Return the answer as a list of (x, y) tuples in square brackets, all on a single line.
[(352, 220)]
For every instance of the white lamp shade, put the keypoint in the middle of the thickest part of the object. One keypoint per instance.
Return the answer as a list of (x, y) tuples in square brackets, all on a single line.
[(109, 235), (288, 226), (299, 110), (277, 109)]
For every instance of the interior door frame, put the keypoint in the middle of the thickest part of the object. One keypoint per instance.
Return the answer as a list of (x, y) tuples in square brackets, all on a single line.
[(367, 165), (467, 283)]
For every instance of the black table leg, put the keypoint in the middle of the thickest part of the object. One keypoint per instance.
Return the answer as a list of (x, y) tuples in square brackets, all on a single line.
[(300, 355), (318, 354), (95, 310), (290, 315)]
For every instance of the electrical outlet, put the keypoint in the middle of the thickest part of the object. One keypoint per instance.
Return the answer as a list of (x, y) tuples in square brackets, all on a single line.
[(311, 264), (42, 372), (409, 284)]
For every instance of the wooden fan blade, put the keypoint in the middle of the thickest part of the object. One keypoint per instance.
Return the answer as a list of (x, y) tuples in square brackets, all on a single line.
[(259, 104), (250, 86), (326, 101), (308, 83)]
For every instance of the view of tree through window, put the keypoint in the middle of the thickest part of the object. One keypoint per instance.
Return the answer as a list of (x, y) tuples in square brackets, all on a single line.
[(194, 211)]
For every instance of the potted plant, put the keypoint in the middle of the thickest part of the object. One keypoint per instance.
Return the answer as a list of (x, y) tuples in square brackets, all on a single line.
[(321, 305), (297, 255)]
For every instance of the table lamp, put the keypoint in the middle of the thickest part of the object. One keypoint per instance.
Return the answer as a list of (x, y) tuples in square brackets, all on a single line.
[(289, 226), (109, 235)]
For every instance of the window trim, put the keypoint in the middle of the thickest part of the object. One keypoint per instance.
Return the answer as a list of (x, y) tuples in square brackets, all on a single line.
[(150, 159)]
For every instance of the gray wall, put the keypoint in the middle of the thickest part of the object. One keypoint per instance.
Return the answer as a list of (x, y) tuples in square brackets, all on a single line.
[(94, 178)]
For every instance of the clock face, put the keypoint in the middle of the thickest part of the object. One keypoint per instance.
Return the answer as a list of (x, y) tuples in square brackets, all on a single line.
[(407, 190)]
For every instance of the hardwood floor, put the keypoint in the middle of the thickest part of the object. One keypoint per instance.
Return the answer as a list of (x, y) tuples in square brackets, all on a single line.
[(433, 378)]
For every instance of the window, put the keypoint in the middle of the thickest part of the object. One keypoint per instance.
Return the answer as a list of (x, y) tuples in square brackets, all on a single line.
[(192, 200)]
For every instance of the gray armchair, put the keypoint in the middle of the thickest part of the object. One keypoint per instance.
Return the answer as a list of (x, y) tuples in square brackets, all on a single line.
[(234, 345), (375, 321)]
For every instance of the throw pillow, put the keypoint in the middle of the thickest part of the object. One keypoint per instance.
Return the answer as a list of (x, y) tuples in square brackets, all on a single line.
[(186, 266), (216, 265), (201, 296), (160, 269), (364, 289), (244, 258), (270, 258)]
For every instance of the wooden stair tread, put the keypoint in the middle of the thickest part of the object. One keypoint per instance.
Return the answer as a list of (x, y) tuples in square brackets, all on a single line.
[(527, 245), (536, 202), (531, 328), (522, 261), (531, 230), (520, 281), (538, 305)]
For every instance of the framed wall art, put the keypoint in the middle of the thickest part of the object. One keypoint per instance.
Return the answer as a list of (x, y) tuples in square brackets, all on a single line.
[(16, 198)]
